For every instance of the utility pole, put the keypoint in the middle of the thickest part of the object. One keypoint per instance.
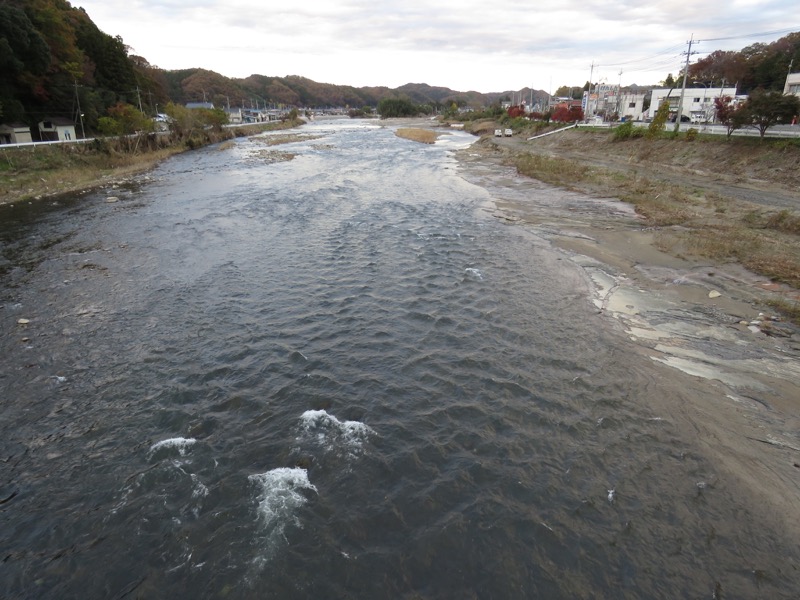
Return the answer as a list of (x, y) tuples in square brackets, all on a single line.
[(139, 96), (683, 88), (80, 112), (589, 93)]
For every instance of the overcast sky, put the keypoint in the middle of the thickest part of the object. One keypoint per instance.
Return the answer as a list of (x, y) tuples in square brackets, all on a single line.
[(461, 44)]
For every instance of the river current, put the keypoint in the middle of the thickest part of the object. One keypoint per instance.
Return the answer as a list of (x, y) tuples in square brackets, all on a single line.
[(338, 376)]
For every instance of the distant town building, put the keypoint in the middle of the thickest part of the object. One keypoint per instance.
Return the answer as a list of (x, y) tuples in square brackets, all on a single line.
[(603, 100), (235, 116), (207, 105), (57, 129), (15, 133), (698, 103), (631, 107), (792, 84)]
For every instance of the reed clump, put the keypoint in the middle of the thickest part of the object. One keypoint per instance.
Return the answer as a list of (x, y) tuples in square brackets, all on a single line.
[(425, 136)]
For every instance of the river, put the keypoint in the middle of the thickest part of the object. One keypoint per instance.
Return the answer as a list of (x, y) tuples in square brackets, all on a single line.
[(338, 376)]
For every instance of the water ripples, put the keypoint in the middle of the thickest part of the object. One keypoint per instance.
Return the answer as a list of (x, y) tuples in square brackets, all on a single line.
[(336, 377)]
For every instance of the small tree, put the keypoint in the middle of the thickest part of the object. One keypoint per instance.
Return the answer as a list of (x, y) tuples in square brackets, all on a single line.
[(765, 109), (659, 122), (727, 113), (109, 126), (129, 119), (183, 121), (213, 117)]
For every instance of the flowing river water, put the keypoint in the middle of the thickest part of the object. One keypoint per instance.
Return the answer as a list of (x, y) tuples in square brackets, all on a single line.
[(338, 376)]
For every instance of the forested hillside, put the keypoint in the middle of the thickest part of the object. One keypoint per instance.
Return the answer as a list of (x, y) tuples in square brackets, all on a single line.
[(756, 66), (53, 57)]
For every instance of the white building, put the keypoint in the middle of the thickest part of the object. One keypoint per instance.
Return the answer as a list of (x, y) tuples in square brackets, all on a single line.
[(792, 84), (698, 103), (57, 129), (631, 107), (235, 116), (15, 133)]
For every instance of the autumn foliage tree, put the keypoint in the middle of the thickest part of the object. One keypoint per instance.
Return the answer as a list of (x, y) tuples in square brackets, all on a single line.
[(516, 111), (563, 114), (728, 113), (764, 109)]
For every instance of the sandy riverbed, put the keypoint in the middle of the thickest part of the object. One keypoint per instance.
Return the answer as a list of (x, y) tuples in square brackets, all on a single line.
[(730, 374)]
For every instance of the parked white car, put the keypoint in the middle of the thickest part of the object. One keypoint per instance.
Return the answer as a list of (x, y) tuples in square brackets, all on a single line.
[(509, 133), (498, 133)]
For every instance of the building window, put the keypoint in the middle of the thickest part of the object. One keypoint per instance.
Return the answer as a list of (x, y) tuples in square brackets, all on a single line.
[(631, 104), (794, 88), (697, 99)]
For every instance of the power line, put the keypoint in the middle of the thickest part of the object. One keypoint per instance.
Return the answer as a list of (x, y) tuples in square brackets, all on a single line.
[(664, 52), (751, 35)]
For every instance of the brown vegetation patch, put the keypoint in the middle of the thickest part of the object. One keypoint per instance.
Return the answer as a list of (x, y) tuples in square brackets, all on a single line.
[(275, 140), (702, 196), (425, 136)]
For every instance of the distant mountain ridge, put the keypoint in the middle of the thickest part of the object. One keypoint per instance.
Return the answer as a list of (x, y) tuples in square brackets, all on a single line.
[(192, 85)]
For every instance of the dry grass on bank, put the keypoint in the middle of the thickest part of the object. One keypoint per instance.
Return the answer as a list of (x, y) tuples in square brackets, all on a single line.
[(425, 136), (32, 172), (691, 222)]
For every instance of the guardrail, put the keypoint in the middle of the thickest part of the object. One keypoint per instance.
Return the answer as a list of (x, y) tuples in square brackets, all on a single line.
[(552, 132), (712, 129), (46, 143)]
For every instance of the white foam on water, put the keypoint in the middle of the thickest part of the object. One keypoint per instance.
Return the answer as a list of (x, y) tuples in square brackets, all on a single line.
[(199, 490), (180, 444), (332, 434), (475, 273), (278, 496)]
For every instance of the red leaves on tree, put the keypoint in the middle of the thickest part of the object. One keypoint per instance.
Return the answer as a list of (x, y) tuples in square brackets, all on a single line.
[(567, 115)]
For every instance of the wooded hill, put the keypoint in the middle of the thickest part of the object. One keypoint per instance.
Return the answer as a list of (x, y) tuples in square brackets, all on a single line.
[(55, 62)]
